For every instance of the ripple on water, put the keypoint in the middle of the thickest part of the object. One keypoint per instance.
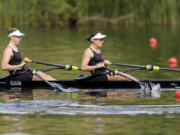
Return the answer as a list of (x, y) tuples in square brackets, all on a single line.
[(72, 108)]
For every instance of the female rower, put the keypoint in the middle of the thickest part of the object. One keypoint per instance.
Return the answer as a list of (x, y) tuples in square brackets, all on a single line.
[(92, 61), (12, 61)]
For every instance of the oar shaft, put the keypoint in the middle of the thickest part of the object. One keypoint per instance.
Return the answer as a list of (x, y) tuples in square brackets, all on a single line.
[(49, 69), (38, 75), (66, 67), (43, 79), (133, 69), (129, 65), (48, 64), (169, 69), (147, 67), (123, 75)]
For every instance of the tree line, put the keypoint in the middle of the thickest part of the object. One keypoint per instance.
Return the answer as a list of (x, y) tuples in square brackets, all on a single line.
[(74, 13)]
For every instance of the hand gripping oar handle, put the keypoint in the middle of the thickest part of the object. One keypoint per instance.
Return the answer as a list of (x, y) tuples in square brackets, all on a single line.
[(65, 67), (53, 85)]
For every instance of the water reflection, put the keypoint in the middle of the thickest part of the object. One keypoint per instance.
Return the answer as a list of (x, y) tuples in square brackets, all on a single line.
[(18, 94), (25, 94), (46, 101), (109, 95), (11, 96)]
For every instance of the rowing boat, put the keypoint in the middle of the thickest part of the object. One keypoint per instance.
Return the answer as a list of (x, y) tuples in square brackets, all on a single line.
[(86, 84)]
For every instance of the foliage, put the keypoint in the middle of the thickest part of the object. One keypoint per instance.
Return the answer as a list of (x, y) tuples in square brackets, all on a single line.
[(50, 13)]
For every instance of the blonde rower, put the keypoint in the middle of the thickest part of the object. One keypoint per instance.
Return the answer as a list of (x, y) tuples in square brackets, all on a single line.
[(12, 60)]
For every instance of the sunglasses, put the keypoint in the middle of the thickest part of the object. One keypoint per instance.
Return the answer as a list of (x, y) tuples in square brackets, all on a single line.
[(18, 37), (101, 39)]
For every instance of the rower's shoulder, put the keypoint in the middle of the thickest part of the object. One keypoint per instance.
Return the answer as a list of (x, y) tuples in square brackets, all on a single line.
[(7, 49), (88, 51)]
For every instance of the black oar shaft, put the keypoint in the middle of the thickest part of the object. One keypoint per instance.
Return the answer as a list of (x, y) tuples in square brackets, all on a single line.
[(169, 69), (49, 69), (128, 70), (48, 64), (129, 65), (66, 67), (121, 74), (147, 67), (43, 79)]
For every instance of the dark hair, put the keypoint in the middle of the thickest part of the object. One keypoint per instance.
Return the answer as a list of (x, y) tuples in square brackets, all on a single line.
[(92, 35), (10, 30)]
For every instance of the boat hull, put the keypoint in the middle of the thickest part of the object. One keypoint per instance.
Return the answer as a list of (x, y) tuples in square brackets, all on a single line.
[(166, 84)]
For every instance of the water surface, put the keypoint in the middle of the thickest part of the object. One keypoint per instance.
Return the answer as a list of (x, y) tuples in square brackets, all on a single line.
[(44, 111)]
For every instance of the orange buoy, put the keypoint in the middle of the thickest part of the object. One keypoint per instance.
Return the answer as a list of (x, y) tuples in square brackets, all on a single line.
[(153, 42), (173, 62), (178, 95)]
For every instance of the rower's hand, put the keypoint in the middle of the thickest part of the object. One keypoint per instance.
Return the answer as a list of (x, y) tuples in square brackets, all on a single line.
[(22, 64), (100, 65), (26, 60), (107, 62)]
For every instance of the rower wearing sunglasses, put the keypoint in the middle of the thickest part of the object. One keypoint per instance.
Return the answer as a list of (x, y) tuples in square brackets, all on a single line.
[(12, 60), (93, 61)]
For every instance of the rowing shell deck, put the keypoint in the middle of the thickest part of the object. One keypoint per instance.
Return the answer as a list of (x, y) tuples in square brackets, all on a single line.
[(79, 84)]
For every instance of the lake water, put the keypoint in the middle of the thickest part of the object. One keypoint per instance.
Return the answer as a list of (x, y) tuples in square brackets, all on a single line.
[(44, 112)]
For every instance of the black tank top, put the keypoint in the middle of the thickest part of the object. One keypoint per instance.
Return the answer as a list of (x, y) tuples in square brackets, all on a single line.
[(15, 60), (97, 58)]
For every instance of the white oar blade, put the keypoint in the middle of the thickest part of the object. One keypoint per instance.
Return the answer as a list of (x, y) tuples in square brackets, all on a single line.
[(151, 90), (58, 87), (146, 91), (156, 91)]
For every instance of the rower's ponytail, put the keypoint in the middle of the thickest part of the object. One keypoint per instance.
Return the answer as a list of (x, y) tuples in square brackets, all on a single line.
[(92, 35), (10, 30)]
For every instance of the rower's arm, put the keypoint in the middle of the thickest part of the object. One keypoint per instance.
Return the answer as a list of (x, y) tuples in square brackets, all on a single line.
[(86, 58), (7, 55)]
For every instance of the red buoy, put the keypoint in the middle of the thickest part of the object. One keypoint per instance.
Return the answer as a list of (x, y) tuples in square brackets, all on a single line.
[(153, 42), (177, 95), (173, 62)]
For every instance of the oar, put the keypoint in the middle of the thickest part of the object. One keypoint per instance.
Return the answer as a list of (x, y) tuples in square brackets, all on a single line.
[(70, 67), (48, 69), (116, 72), (147, 67), (148, 88), (128, 70), (53, 85), (66, 67)]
